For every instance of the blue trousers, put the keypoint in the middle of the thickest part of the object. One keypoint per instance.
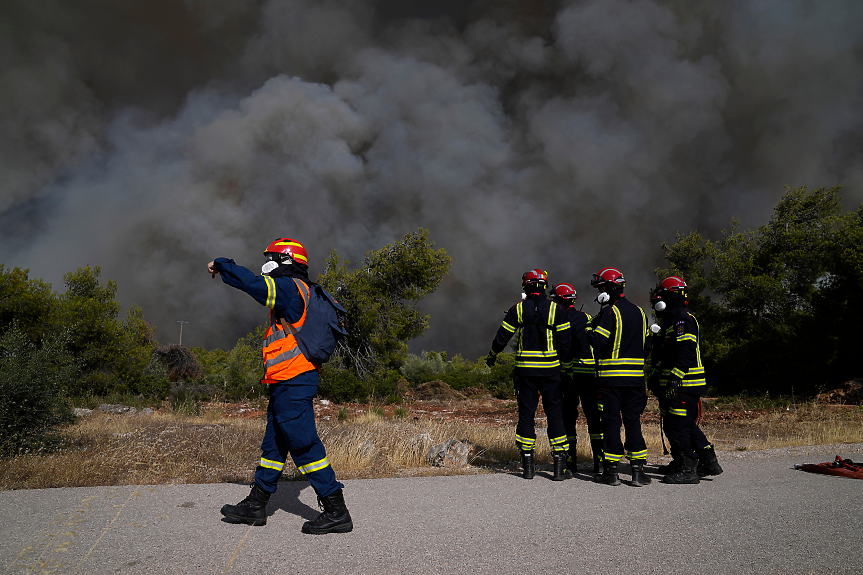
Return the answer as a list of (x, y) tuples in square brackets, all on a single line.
[(622, 405), (683, 433), (581, 387), (528, 389), (291, 430)]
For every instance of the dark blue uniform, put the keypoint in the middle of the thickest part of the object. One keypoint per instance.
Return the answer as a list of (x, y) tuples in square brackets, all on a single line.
[(677, 355), (619, 338), (543, 344), (578, 384)]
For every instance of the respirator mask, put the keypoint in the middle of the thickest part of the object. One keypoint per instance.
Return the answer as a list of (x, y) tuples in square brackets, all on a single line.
[(602, 298), (274, 260), (659, 306)]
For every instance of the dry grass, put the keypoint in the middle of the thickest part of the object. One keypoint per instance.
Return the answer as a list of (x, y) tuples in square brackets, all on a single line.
[(169, 448), (804, 424)]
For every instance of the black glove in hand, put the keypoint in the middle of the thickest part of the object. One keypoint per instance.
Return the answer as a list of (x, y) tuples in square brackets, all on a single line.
[(671, 387), (490, 359)]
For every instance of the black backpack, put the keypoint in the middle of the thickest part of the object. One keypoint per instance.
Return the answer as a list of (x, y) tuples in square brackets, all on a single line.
[(324, 328)]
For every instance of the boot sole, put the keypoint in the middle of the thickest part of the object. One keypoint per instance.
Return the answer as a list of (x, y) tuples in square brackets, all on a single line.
[(343, 528), (236, 519), (613, 483), (688, 482)]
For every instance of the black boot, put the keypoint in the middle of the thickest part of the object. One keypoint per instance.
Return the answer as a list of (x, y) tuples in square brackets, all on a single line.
[(609, 474), (335, 517), (527, 469), (572, 459), (559, 460), (707, 463), (251, 510), (686, 474), (596, 447), (670, 468), (639, 479)]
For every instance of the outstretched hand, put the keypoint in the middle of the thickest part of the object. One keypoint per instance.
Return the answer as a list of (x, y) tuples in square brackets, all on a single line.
[(211, 268)]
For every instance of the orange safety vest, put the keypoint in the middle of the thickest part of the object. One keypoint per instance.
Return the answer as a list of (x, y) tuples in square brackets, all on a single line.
[(282, 357)]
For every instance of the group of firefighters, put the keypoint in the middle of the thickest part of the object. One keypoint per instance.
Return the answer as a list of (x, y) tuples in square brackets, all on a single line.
[(562, 354), (568, 357)]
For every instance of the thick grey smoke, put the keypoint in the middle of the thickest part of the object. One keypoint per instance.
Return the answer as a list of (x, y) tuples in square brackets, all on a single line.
[(150, 137)]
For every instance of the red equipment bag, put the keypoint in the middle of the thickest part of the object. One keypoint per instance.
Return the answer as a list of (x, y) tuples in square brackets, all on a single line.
[(839, 466)]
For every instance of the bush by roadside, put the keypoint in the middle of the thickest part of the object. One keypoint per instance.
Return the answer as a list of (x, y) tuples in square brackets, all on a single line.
[(34, 381)]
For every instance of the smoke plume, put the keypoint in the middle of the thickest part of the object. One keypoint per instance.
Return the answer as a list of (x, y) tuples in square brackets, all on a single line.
[(150, 137)]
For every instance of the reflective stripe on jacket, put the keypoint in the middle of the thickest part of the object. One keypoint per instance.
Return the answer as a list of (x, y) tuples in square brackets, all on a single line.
[(680, 353), (618, 341), (582, 353), (282, 357), (543, 340)]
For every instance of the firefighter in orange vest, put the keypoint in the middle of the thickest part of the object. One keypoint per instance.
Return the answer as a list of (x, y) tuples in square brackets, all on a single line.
[(293, 382)]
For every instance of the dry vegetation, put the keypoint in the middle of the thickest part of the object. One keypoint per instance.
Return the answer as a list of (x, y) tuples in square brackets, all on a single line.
[(222, 444)]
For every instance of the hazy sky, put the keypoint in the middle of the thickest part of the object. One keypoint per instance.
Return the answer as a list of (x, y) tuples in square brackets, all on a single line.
[(150, 136)]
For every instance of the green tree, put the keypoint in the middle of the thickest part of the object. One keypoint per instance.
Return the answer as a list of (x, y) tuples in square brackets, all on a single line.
[(34, 381), (29, 302), (764, 296), (381, 299), (114, 354)]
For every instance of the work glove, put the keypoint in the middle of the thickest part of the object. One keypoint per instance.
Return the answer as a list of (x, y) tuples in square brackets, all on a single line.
[(491, 358), (671, 388)]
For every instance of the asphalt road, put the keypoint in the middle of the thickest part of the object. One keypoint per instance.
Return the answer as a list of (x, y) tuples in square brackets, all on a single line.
[(760, 516)]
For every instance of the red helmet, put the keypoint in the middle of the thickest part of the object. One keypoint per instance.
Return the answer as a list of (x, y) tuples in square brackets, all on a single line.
[(289, 247), (606, 277), (535, 277), (660, 293), (673, 283), (564, 291)]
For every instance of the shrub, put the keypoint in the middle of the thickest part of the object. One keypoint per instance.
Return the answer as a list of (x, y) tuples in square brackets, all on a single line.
[(237, 373), (341, 385), (460, 374), (33, 385)]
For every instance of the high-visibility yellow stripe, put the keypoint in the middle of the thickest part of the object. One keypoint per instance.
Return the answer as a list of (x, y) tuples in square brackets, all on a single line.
[(636, 455), (271, 292), (537, 363), (612, 457), (270, 464), (620, 373), (602, 331), (618, 333), (507, 327), (625, 361), (314, 466), (538, 353)]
